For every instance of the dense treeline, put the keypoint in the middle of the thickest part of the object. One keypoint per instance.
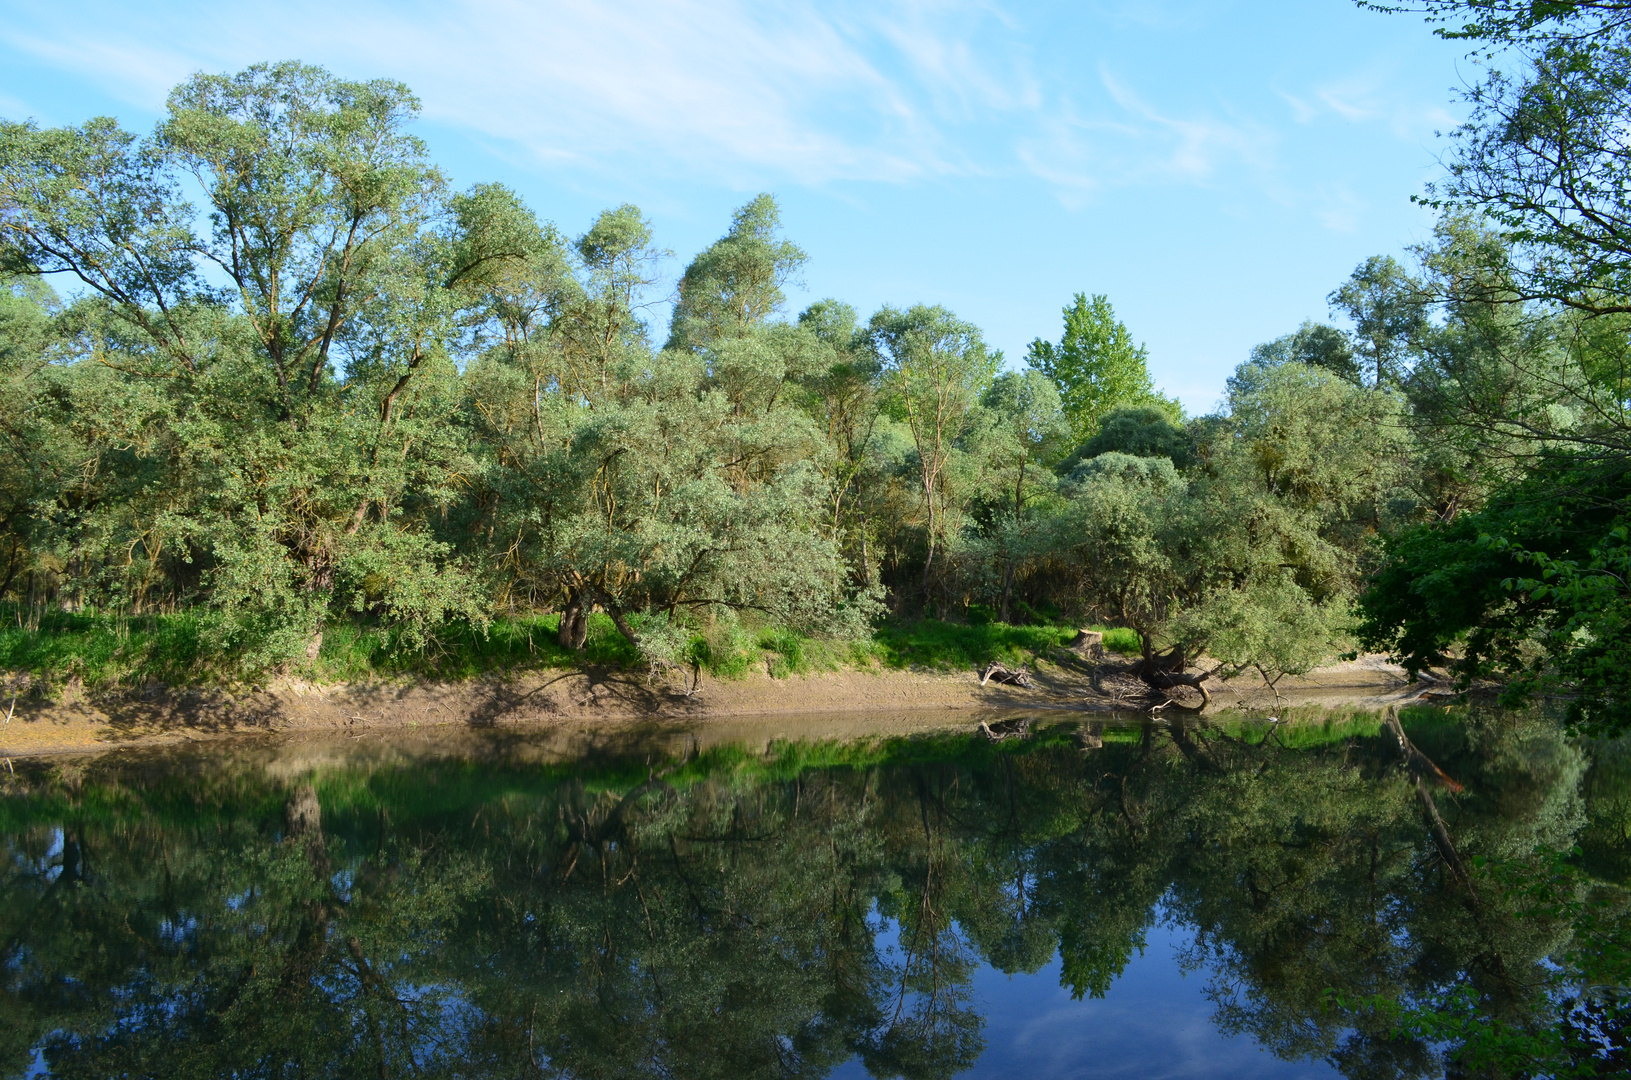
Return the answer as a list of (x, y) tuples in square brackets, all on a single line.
[(343, 392), (336, 392)]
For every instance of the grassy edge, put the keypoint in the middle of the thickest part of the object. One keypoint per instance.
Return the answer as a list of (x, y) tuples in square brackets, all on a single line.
[(108, 652)]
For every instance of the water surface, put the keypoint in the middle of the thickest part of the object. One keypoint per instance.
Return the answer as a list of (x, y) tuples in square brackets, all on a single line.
[(1126, 900)]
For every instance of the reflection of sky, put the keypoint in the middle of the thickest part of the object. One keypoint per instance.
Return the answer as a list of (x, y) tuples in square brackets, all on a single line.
[(1155, 1024)]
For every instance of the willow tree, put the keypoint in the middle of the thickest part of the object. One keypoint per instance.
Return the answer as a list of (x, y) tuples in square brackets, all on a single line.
[(936, 367), (664, 485), (307, 400)]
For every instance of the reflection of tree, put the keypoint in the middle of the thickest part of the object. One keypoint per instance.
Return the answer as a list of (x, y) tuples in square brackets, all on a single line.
[(474, 919), (932, 1029)]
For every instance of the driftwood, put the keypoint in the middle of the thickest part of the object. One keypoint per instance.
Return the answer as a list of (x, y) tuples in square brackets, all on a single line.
[(997, 673), (1007, 729)]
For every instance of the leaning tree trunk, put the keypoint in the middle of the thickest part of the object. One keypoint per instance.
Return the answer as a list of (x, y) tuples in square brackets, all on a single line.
[(1169, 670)]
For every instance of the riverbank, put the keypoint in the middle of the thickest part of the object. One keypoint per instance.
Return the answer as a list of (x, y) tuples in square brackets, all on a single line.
[(75, 720)]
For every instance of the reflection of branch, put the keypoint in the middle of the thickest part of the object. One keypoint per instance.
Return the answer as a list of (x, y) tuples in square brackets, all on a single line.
[(1126, 812), (1414, 762)]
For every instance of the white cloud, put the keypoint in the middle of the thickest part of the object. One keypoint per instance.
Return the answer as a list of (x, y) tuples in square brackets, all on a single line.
[(1338, 208), (1372, 94), (741, 92), (1128, 140), (807, 91)]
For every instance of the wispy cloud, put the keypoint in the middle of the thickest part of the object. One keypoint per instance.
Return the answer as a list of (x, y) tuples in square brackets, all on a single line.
[(1128, 140), (1369, 95), (807, 91), (745, 92)]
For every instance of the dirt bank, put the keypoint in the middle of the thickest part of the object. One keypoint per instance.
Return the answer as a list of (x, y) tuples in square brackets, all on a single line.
[(74, 720)]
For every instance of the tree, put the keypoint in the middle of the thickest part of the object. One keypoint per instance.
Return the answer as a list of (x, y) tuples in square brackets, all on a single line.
[(1520, 394), (847, 401), (300, 412), (1314, 344), (1025, 430), (1541, 154), (736, 284), (663, 486), (1140, 430), (1388, 311), (937, 366), (38, 456), (1530, 588), (1096, 366), (1252, 559)]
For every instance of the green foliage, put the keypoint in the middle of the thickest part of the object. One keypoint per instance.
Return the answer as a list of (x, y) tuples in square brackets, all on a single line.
[(1387, 312), (1142, 431), (1097, 367), (1315, 345), (737, 283), (1530, 588), (1253, 560)]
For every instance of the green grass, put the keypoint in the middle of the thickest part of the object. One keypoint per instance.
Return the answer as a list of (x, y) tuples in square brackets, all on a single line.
[(945, 646), (108, 651), (461, 652)]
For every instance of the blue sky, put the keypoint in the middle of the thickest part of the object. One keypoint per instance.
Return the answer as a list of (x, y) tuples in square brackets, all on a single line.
[(1215, 166)]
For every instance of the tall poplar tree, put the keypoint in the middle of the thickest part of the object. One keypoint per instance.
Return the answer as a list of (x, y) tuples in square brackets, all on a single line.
[(1096, 365)]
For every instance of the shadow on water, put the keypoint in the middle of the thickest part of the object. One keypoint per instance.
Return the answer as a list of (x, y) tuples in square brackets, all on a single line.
[(885, 896)]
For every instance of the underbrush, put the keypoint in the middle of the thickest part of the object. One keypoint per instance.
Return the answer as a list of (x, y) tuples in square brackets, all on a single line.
[(108, 651)]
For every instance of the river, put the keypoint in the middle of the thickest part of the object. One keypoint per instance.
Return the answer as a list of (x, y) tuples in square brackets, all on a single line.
[(889, 896)]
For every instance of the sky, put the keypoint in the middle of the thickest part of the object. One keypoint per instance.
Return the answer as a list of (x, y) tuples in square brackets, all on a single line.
[(1215, 167)]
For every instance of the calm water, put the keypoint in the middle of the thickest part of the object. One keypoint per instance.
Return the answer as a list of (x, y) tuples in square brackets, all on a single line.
[(1168, 903)]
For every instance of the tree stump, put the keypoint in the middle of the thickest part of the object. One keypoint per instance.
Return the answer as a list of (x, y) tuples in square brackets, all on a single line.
[(1088, 644)]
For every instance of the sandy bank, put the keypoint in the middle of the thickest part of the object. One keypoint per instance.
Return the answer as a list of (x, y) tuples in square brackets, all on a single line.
[(77, 721)]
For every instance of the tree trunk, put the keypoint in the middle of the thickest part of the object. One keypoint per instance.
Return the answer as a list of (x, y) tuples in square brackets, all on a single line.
[(620, 622), (866, 566), (574, 628), (1166, 671)]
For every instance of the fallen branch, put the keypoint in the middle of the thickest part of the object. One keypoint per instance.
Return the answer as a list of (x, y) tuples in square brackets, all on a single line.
[(1006, 676)]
